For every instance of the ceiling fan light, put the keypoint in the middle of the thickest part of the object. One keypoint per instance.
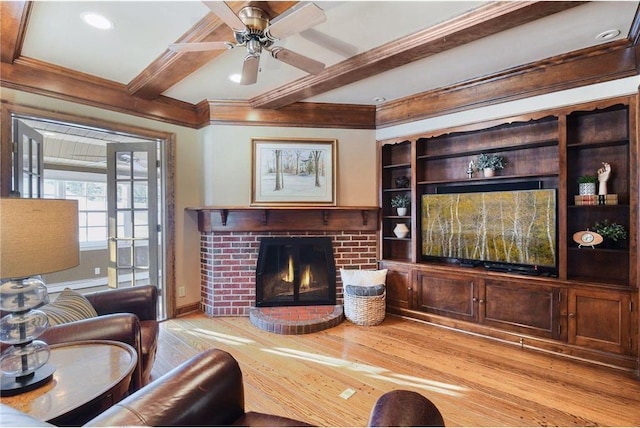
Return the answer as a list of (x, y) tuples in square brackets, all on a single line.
[(235, 77), (97, 21)]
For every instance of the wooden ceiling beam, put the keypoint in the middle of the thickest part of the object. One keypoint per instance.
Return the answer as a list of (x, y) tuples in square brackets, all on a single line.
[(41, 78), (172, 67), (14, 16), (486, 20)]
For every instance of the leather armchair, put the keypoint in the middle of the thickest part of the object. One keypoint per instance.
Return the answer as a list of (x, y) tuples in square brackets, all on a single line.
[(126, 315)]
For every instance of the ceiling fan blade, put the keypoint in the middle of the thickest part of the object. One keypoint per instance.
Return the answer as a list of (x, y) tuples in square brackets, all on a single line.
[(297, 60), (225, 13), (250, 70), (199, 46), (298, 20)]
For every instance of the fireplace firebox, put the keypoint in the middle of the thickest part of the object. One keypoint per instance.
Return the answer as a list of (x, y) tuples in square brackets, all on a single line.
[(295, 271)]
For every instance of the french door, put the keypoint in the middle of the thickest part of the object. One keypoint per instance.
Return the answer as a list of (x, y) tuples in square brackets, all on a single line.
[(133, 226)]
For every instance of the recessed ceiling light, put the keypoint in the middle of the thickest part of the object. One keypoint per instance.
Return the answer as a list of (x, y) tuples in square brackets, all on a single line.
[(97, 21), (379, 100), (608, 35), (235, 78)]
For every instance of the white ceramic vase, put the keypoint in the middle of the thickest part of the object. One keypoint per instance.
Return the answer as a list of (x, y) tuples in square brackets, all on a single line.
[(401, 230), (402, 211), (488, 172)]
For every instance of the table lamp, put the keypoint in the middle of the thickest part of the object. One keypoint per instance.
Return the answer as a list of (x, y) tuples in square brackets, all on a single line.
[(37, 236)]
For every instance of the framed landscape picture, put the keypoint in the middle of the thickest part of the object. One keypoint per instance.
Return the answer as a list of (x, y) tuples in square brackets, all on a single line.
[(293, 171)]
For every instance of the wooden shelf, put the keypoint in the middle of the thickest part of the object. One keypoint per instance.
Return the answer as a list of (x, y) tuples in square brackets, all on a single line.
[(284, 219)]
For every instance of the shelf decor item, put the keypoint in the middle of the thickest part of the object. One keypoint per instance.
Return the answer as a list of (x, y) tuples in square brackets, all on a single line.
[(401, 203), (603, 176), (402, 182), (612, 233), (587, 184), (489, 163), (37, 236), (401, 230), (587, 238)]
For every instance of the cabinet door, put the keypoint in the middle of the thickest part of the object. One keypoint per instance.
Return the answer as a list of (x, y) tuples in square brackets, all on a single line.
[(398, 285), (453, 295), (600, 320), (522, 308)]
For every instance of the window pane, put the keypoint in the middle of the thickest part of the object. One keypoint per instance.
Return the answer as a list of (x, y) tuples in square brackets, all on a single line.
[(140, 165), (96, 234), (124, 195), (140, 198)]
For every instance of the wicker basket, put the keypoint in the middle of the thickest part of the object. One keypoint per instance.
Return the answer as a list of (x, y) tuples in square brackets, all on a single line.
[(365, 310)]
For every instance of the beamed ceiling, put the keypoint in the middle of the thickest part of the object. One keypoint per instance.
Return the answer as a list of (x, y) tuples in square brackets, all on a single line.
[(424, 58)]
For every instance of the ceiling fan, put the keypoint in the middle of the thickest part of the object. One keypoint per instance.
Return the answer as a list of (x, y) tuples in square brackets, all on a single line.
[(254, 31)]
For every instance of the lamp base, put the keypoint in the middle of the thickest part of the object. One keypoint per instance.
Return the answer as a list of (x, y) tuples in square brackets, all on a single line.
[(13, 385)]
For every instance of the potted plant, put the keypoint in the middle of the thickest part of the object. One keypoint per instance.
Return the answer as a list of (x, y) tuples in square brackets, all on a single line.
[(611, 232), (489, 163), (401, 202), (587, 184)]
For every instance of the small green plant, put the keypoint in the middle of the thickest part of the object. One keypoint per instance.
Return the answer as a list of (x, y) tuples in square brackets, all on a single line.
[(490, 161), (613, 231), (401, 201), (588, 179)]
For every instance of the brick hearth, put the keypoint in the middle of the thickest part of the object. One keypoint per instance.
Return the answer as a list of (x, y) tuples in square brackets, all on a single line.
[(296, 319), (228, 263)]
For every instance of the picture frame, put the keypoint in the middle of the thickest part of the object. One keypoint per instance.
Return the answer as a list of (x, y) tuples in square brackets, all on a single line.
[(288, 171)]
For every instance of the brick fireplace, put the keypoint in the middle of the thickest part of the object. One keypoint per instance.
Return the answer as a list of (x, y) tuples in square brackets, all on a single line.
[(230, 241)]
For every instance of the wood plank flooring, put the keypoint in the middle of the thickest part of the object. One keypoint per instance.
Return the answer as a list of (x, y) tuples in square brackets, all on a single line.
[(473, 381)]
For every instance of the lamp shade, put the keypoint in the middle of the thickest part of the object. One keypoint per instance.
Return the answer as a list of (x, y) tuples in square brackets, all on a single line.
[(37, 236)]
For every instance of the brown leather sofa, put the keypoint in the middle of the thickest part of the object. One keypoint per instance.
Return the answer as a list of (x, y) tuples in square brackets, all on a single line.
[(128, 315), (207, 390)]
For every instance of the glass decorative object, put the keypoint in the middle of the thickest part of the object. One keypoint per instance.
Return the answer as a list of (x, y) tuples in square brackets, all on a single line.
[(24, 363)]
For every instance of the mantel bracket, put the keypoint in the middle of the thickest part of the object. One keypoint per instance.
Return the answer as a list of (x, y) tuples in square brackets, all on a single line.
[(365, 217), (223, 216), (325, 217), (265, 217)]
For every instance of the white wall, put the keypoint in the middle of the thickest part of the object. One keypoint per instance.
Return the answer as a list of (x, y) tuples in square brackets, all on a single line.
[(227, 152)]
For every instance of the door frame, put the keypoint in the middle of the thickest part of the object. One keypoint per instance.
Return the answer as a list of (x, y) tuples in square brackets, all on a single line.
[(8, 109)]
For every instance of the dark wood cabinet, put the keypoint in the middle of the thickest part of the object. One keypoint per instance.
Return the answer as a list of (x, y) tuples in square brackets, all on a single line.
[(453, 295), (601, 320), (587, 306), (399, 286), (533, 309)]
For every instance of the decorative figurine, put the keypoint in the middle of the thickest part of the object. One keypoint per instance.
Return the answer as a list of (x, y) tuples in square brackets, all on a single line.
[(603, 176), (470, 169), (402, 182)]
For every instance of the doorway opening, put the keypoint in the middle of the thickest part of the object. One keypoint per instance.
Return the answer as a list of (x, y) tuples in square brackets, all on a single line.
[(120, 181)]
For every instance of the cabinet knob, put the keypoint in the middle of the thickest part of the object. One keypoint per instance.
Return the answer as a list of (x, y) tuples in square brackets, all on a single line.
[(572, 315), (481, 300), (475, 299)]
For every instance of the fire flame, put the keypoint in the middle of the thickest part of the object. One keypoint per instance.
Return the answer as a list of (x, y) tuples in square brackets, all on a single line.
[(305, 281), (306, 277), (288, 276)]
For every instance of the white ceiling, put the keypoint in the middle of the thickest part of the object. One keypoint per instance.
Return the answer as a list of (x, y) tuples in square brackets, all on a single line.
[(143, 30)]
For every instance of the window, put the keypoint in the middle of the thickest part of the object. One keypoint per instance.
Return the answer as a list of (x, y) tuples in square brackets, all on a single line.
[(92, 206)]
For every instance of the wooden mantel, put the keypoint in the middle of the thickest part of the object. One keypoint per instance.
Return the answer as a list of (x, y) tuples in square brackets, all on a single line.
[(285, 218)]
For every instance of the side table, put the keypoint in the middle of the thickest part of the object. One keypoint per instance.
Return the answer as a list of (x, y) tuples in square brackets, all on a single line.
[(90, 377)]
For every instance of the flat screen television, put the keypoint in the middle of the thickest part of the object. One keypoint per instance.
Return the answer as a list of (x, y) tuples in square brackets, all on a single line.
[(511, 230)]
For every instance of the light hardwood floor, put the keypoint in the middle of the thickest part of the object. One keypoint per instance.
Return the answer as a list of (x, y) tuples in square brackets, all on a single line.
[(473, 381)]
